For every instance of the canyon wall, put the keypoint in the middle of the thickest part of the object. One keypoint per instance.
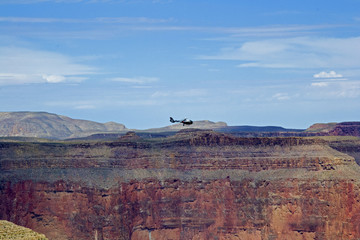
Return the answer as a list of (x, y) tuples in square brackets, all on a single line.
[(194, 185)]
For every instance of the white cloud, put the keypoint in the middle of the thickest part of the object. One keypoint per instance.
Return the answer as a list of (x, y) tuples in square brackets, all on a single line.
[(333, 88), (331, 74), (330, 78), (21, 66), (54, 78), (320, 84), (300, 52), (281, 96), (135, 80)]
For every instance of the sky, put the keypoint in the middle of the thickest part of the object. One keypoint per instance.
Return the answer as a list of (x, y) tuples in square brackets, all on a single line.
[(138, 62)]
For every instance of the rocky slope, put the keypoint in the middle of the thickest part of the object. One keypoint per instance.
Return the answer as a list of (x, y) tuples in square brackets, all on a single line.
[(11, 231), (48, 125), (194, 185)]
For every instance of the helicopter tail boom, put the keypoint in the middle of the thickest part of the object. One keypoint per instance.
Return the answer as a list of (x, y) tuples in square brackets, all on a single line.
[(173, 121)]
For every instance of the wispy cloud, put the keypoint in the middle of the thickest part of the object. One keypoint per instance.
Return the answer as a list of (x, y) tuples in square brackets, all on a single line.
[(105, 20), (323, 79), (101, 103), (236, 33), (37, 20), (117, 25), (75, 104), (334, 85), (301, 52), (77, 1), (349, 89), (135, 80), (54, 1), (319, 84), (331, 74), (335, 90), (281, 96), (22, 65), (86, 28), (181, 93), (54, 78), (139, 20)]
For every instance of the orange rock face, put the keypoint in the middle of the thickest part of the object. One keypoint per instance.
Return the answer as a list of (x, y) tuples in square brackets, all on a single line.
[(208, 186)]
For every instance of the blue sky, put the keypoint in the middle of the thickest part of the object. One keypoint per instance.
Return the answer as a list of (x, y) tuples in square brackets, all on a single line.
[(137, 62)]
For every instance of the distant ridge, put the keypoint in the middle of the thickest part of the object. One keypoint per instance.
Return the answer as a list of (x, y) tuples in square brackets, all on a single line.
[(258, 129), (203, 124), (53, 126), (49, 125), (335, 129)]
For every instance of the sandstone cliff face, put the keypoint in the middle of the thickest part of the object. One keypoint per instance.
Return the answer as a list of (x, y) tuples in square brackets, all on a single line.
[(196, 185)]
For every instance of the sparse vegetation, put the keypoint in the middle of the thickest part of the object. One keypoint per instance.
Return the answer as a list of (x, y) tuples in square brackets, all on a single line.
[(11, 231)]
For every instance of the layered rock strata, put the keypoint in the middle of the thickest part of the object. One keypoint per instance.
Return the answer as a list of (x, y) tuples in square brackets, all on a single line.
[(336, 129), (195, 185)]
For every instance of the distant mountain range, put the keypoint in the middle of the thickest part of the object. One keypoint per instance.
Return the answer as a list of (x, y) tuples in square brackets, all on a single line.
[(204, 124), (48, 125), (53, 126)]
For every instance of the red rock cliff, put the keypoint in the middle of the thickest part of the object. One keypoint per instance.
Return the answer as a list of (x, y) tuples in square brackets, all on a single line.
[(196, 185), (336, 129)]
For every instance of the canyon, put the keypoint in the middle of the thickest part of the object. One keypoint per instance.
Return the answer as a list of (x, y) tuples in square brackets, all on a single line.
[(52, 126), (196, 184)]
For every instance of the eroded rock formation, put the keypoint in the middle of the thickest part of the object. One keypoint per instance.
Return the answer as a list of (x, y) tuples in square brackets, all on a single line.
[(195, 185), (336, 129)]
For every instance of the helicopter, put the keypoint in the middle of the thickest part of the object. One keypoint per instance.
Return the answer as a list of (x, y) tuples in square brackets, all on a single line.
[(185, 121)]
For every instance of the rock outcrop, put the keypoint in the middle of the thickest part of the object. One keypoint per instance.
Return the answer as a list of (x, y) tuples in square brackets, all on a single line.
[(194, 185), (336, 129)]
